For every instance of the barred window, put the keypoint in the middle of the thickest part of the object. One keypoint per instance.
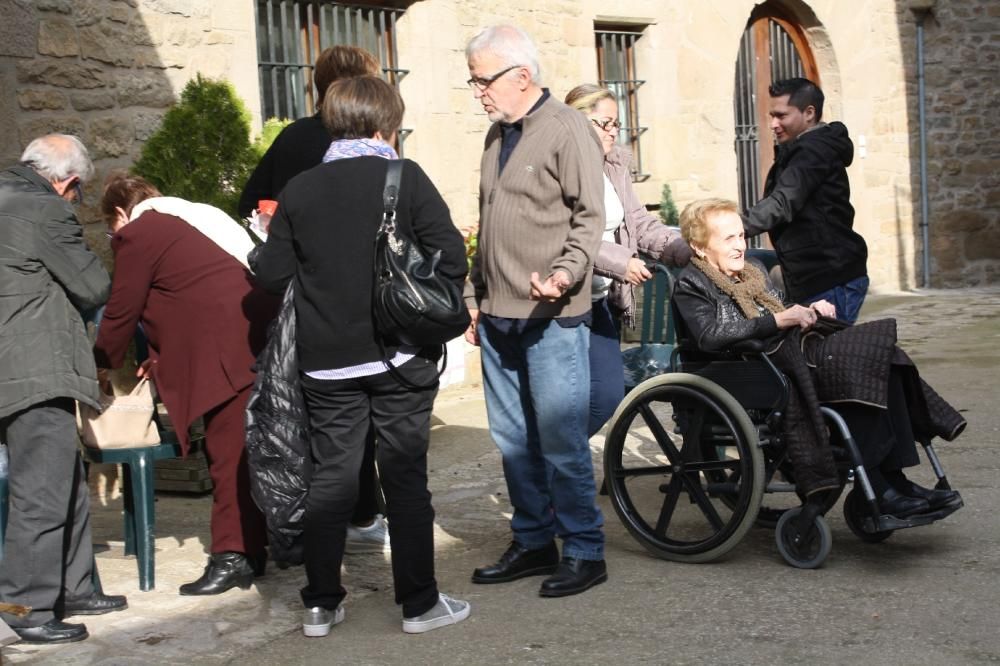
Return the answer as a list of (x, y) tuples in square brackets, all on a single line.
[(292, 33), (617, 71)]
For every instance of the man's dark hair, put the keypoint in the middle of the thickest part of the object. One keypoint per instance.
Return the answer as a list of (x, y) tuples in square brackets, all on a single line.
[(801, 93)]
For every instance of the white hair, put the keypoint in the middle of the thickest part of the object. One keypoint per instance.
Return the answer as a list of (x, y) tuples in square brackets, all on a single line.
[(509, 43), (57, 157)]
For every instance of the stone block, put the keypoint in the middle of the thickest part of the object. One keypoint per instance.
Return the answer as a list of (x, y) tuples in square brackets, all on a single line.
[(962, 220), (57, 37), (981, 167), (57, 6), (983, 244), (150, 90), (110, 137), (41, 100), (145, 124), (18, 36), (92, 100), (36, 127), (62, 74), (104, 44), (945, 252)]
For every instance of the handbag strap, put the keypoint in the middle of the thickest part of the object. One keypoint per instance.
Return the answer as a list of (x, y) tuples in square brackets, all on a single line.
[(390, 195), (138, 387), (390, 199)]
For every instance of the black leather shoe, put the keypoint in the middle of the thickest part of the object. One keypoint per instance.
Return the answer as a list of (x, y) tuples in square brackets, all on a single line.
[(96, 604), (519, 562), (224, 572), (896, 504), (574, 576), (937, 498), (53, 631)]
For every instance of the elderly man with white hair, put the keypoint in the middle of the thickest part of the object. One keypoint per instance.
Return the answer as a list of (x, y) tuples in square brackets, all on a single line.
[(541, 199), (48, 277)]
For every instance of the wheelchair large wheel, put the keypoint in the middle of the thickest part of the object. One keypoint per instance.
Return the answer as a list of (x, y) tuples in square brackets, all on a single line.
[(683, 468), (803, 549), (855, 511)]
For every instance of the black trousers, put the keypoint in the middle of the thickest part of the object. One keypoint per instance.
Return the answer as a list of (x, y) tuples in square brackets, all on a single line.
[(48, 553), (885, 436), (339, 415)]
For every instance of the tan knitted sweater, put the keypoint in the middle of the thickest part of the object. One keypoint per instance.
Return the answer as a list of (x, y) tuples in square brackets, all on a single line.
[(544, 213)]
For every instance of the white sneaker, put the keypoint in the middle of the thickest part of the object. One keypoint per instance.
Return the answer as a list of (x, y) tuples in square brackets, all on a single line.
[(371, 539), (446, 611), (318, 620)]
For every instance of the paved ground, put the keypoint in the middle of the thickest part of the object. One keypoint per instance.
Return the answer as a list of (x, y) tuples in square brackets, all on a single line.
[(926, 596)]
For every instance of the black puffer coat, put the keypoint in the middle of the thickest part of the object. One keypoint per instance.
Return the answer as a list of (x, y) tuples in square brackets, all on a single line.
[(278, 438)]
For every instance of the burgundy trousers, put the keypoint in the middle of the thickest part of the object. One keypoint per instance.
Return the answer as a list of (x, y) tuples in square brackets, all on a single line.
[(237, 523)]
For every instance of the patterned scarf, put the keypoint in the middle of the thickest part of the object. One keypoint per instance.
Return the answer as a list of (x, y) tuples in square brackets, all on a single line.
[(748, 289), (346, 148)]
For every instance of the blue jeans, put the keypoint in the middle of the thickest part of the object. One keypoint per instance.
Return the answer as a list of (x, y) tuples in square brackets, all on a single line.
[(847, 298), (537, 387), (607, 374)]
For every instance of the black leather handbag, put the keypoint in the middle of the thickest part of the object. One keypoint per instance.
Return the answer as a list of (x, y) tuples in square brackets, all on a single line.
[(411, 303)]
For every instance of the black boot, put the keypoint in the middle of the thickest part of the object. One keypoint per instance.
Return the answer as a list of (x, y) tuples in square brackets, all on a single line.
[(224, 572), (573, 576), (519, 562)]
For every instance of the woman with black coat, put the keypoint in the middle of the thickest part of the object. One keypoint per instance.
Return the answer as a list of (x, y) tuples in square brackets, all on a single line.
[(322, 237)]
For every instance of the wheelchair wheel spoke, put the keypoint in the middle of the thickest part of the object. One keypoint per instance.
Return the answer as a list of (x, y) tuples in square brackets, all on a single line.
[(627, 472), (669, 504), (713, 465), (660, 434), (697, 493)]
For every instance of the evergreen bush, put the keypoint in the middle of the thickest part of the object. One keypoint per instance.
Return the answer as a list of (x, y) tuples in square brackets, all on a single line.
[(668, 209), (272, 128), (202, 151)]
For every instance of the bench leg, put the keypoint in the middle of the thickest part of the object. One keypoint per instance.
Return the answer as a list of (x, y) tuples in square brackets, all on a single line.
[(145, 521), (128, 508)]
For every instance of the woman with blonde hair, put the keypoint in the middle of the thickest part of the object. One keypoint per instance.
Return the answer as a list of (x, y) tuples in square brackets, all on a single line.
[(630, 231)]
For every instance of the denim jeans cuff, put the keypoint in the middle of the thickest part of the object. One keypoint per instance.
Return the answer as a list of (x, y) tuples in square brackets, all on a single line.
[(533, 544), (590, 555)]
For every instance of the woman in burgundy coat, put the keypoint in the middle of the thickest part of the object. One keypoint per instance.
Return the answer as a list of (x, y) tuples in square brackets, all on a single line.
[(180, 272)]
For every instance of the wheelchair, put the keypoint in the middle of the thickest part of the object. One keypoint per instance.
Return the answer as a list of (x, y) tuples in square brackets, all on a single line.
[(691, 454)]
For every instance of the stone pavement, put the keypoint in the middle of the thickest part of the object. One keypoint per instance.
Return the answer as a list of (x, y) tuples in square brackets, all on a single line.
[(925, 596)]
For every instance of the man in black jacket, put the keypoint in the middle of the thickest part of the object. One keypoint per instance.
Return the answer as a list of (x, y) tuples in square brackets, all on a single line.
[(806, 208), (48, 277)]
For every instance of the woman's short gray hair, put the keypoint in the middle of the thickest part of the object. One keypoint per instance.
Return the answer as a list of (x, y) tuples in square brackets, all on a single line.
[(57, 157), (509, 43)]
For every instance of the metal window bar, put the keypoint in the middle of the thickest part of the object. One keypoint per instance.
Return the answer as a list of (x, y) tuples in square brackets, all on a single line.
[(785, 62), (292, 33), (617, 71)]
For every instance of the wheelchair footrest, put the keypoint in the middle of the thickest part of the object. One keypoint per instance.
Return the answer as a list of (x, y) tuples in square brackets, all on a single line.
[(887, 522)]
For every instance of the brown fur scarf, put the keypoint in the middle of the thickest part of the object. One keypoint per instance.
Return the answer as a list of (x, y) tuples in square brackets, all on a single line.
[(748, 289)]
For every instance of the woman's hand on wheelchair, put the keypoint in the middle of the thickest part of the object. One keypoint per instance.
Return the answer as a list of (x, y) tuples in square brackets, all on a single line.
[(796, 315), (636, 272)]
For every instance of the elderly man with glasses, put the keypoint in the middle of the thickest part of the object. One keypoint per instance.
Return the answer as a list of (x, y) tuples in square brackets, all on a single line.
[(541, 198), (48, 277)]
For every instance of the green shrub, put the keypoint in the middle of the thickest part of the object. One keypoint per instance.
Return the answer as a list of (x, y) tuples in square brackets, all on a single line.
[(668, 209), (272, 128), (202, 151)]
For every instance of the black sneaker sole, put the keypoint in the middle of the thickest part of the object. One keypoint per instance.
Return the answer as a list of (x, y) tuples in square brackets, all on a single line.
[(547, 570)]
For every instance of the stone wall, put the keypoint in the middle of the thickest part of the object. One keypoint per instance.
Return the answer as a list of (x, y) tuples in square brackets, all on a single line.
[(962, 77), (107, 70)]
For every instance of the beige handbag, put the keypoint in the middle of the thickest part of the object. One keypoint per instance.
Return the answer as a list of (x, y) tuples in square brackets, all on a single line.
[(126, 422)]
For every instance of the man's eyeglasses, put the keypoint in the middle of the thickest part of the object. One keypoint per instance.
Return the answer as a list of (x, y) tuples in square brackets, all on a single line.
[(605, 124), (484, 82)]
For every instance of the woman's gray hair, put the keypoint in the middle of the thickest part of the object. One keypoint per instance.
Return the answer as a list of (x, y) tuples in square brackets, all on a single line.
[(511, 44), (57, 157)]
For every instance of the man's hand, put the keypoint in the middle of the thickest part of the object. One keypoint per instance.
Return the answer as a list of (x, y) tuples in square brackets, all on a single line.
[(825, 309), (472, 333), (636, 272), (552, 289)]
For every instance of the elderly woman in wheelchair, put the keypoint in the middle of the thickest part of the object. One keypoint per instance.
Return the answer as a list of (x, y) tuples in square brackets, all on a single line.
[(763, 389)]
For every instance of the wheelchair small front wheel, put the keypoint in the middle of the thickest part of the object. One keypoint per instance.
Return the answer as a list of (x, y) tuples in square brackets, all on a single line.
[(855, 512), (805, 549)]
